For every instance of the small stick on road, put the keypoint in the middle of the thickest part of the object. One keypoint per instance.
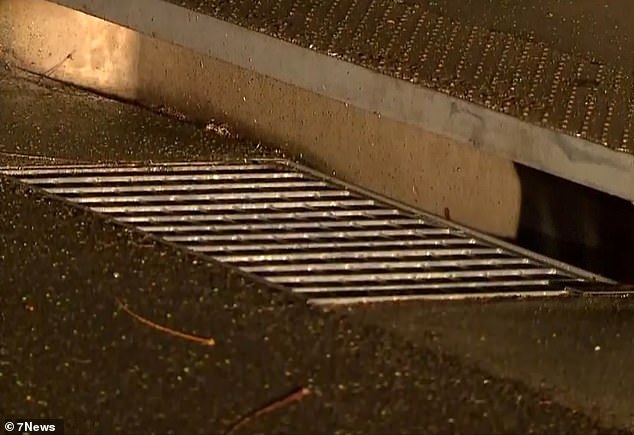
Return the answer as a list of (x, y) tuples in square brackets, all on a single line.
[(52, 69), (196, 339), (295, 396)]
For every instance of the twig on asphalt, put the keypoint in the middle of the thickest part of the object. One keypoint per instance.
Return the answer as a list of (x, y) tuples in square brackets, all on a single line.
[(49, 71), (295, 396), (196, 339)]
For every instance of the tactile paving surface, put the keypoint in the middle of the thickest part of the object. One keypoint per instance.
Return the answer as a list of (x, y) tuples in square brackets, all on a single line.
[(523, 78), (311, 234)]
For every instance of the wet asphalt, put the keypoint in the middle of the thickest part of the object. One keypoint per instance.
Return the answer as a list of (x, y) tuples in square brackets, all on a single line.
[(68, 350)]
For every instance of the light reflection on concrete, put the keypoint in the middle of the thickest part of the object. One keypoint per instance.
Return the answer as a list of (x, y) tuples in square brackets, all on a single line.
[(71, 46)]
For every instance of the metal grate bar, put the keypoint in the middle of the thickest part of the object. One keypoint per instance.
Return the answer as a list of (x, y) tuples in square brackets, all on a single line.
[(436, 296), (281, 226), (299, 215), (307, 235), (432, 264), (162, 178), (341, 255), (185, 187), (408, 276), (308, 246), (234, 206), (302, 230), (280, 194), (366, 288)]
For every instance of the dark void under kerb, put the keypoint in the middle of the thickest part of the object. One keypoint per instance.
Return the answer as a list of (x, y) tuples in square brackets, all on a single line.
[(298, 229)]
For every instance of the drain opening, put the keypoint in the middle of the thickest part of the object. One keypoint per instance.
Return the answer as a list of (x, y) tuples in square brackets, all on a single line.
[(312, 234)]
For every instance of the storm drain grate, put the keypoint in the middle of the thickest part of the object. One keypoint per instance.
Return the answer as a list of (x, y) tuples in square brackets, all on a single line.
[(307, 232)]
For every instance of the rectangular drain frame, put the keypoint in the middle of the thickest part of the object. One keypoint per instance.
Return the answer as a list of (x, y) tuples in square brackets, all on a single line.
[(295, 228)]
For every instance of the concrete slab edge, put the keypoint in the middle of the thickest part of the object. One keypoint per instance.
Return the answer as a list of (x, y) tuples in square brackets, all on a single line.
[(559, 154)]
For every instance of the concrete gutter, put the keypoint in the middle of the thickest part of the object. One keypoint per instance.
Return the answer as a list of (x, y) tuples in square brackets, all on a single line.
[(550, 151)]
